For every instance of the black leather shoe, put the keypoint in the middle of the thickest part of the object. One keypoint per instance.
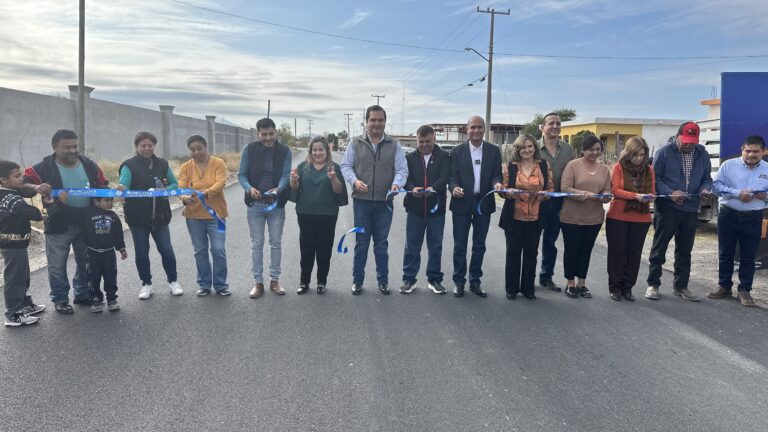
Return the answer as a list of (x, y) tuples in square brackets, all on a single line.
[(477, 290), (550, 285), (615, 296), (384, 289), (530, 296), (458, 291), (64, 308), (321, 288), (357, 289), (628, 296), (584, 292), (571, 291), (511, 296), (302, 289)]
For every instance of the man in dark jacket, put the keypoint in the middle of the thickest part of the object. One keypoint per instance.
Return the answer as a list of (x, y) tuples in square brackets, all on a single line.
[(475, 171), (428, 171), (683, 171), (265, 166), (65, 168)]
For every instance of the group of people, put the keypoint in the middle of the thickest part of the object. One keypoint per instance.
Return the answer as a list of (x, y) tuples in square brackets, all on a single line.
[(545, 188)]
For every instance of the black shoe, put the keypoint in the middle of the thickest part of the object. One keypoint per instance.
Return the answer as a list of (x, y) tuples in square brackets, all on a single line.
[(64, 308), (436, 287), (357, 289), (408, 287), (321, 288), (384, 289), (82, 301), (511, 296), (550, 285), (628, 296), (477, 290), (571, 292), (615, 296), (584, 292), (530, 296), (458, 291), (302, 289)]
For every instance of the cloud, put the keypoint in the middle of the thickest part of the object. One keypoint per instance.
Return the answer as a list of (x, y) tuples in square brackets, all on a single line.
[(357, 17)]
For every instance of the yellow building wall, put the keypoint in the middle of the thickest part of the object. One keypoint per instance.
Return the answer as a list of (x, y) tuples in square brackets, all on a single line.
[(606, 131)]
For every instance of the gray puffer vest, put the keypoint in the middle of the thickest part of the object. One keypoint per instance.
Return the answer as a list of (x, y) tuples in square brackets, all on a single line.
[(376, 168)]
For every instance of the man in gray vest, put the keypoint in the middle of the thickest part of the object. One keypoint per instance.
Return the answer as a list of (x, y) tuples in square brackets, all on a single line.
[(373, 164)]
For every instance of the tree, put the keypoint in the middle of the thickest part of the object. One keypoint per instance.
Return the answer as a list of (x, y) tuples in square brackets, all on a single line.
[(333, 140), (532, 127), (342, 135), (577, 139), (285, 135)]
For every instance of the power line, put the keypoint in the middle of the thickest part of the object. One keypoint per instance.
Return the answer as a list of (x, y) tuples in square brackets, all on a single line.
[(452, 50)]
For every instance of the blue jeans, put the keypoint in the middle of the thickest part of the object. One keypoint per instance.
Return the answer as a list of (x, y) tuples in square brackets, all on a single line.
[(550, 217), (205, 235), (415, 227), (376, 218), (258, 219), (744, 228), (461, 224), (162, 237), (57, 251)]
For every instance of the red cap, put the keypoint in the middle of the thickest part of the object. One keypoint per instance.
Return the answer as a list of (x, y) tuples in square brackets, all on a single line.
[(689, 133)]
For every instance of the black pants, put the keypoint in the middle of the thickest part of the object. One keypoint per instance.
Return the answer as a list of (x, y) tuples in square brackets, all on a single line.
[(578, 241), (522, 240), (16, 280), (669, 222), (625, 247), (102, 265), (743, 228), (316, 234)]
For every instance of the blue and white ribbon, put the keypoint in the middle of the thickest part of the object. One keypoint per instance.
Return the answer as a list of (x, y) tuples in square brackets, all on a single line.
[(343, 249), (221, 225), (550, 194), (114, 193), (273, 204), (392, 193)]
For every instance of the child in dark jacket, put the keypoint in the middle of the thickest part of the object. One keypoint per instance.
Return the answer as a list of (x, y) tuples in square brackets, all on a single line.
[(15, 234), (102, 233)]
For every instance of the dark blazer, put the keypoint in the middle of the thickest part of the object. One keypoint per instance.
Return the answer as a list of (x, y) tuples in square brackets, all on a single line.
[(438, 171), (463, 176)]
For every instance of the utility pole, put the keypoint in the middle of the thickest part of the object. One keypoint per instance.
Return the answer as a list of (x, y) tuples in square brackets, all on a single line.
[(377, 96), (310, 129), (294, 129), (81, 82), (349, 117), (269, 106), (493, 13)]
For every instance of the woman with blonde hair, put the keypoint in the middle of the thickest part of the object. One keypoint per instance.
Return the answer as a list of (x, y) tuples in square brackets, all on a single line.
[(528, 176), (633, 185)]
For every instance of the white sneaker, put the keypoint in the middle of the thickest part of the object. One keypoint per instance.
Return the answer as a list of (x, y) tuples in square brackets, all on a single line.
[(146, 292), (652, 293), (175, 288)]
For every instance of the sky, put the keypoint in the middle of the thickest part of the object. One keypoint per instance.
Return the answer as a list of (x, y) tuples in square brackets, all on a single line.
[(317, 60)]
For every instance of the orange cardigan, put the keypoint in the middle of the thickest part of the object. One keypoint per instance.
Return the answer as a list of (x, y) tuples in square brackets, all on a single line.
[(620, 197)]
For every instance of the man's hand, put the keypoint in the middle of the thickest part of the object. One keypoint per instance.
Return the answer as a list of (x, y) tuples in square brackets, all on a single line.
[(360, 186), (254, 193), (745, 195), (43, 189), (678, 197), (760, 195), (458, 192), (123, 254), (707, 194), (417, 192), (394, 188), (498, 186)]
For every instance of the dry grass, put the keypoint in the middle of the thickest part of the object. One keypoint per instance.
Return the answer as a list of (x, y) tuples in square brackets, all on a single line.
[(232, 159)]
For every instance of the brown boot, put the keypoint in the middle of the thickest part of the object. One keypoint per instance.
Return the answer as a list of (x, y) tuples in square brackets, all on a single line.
[(746, 299), (275, 287), (719, 293), (257, 290)]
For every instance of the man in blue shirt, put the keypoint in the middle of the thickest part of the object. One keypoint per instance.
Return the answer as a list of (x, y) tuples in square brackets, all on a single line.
[(373, 164), (742, 184), (683, 173)]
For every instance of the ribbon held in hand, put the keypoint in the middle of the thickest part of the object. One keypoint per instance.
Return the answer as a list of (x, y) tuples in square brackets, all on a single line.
[(114, 193), (271, 205), (392, 193), (221, 226), (343, 249)]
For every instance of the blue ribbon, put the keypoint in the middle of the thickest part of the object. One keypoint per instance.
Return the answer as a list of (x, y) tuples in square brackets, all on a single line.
[(403, 191), (550, 194), (273, 204), (114, 193), (343, 249), (221, 225)]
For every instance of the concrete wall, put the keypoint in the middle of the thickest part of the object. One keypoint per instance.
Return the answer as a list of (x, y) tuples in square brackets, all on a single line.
[(657, 135), (29, 120)]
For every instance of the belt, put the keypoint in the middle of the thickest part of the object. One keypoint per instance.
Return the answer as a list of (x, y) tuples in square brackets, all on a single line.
[(741, 212)]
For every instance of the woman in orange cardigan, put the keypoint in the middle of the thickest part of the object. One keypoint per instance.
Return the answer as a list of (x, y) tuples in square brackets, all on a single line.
[(633, 185), (207, 174)]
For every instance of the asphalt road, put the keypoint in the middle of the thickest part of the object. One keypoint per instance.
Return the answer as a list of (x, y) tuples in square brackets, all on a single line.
[(420, 362)]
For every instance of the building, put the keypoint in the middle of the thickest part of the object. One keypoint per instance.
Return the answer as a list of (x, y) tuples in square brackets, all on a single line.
[(710, 132), (613, 130), (456, 133)]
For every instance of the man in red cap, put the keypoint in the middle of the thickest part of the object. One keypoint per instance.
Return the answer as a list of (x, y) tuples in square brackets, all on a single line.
[(682, 170)]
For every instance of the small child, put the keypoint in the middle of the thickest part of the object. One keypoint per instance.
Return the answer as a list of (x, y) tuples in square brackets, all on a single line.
[(102, 233), (15, 234)]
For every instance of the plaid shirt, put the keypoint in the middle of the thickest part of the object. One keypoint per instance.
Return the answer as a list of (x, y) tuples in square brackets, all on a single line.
[(687, 168)]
